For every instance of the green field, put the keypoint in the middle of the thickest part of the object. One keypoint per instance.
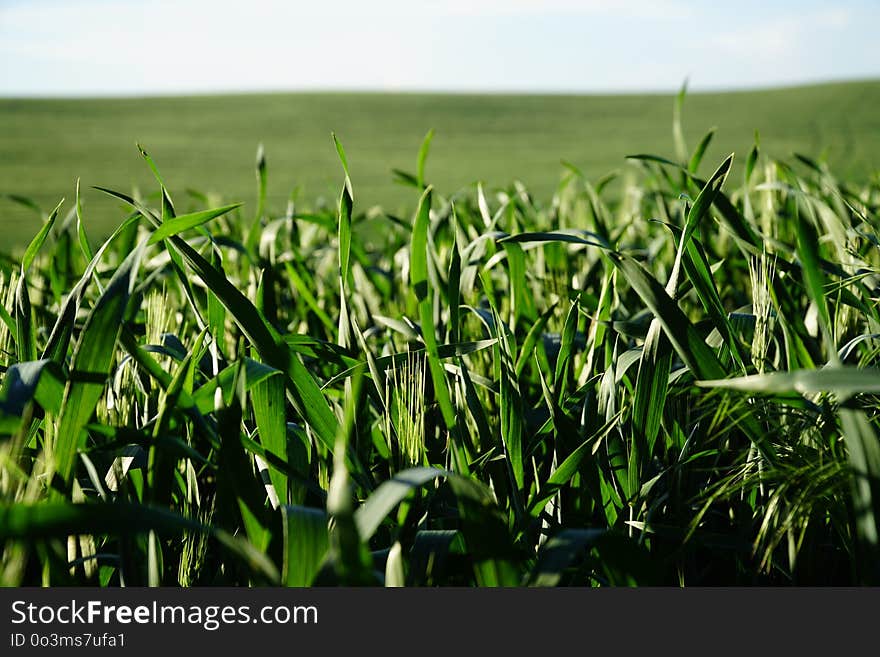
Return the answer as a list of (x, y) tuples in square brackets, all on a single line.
[(669, 377), (208, 143)]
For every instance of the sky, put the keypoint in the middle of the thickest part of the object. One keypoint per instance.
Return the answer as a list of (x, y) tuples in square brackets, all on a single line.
[(134, 47)]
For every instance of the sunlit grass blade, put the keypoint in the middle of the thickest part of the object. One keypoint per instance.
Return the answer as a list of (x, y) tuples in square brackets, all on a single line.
[(421, 286), (185, 222), (80, 227), (388, 495), (700, 151), (841, 380), (814, 278), (37, 243), (92, 359), (422, 158)]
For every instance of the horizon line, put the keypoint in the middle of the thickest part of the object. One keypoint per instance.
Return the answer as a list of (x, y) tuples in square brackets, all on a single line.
[(438, 91)]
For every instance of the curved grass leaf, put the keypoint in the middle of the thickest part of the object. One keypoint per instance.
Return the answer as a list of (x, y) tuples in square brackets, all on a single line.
[(700, 150), (92, 360), (388, 495), (842, 380), (42, 380), (185, 222), (38, 241)]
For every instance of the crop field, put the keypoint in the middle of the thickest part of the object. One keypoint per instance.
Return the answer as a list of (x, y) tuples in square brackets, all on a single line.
[(207, 143), (661, 376)]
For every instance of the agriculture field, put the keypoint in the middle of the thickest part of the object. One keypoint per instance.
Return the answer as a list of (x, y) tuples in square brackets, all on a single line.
[(208, 143), (665, 377)]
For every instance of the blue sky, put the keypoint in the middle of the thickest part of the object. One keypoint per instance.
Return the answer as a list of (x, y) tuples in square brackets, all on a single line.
[(126, 47)]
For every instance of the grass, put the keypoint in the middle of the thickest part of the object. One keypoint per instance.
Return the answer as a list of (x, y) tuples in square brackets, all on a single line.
[(667, 377), (207, 143)]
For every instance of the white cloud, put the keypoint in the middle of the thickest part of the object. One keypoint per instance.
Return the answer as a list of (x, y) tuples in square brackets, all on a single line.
[(781, 37)]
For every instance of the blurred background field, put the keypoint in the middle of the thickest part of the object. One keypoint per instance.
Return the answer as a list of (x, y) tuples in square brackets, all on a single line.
[(208, 143)]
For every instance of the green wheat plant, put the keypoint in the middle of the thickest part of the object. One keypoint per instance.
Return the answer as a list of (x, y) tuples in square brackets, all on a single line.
[(665, 376)]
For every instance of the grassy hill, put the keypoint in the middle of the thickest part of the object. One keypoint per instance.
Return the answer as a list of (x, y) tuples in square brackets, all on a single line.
[(208, 143)]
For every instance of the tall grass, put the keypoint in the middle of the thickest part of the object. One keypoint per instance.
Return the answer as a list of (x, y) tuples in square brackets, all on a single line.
[(667, 378)]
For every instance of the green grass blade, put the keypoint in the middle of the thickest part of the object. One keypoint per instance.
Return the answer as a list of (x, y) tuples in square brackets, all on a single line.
[(863, 450), (306, 544), (37, 243), (700, 151), (677, 131), (25, 331), (842, 380), (267, 401), (92, 360), (531, 341), (813, 276), (80, 227), (151, 164), (185, 222), (388, 495), (261, 184), (423, 157), (420, 284)]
